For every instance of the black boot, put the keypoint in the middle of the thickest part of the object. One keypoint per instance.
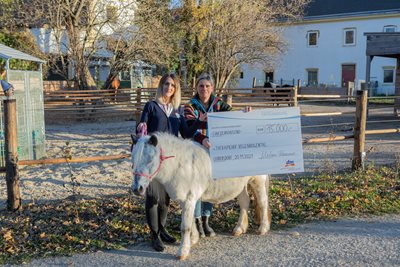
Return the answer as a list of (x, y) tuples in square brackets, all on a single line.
[(199, 226), (207, 229), (166, 237), (156, 242)]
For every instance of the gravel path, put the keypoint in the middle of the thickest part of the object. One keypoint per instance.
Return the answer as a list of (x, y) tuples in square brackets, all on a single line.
[(372, 241)]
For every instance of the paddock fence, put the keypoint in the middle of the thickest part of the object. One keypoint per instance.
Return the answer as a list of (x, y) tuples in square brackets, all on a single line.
[(238, 98), (133, 100), (95, 105)]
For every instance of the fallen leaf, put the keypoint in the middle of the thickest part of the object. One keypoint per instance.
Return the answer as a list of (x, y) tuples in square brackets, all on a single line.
[(8, 235)]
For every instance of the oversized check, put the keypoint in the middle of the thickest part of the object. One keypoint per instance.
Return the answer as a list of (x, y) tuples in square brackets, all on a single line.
[(266, 141)]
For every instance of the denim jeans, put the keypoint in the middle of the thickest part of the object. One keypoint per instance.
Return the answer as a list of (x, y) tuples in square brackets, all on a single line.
[(202, 209)]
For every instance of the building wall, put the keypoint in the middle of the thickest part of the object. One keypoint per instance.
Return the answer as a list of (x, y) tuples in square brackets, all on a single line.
[(47, 40), (249, 72), (329, 54)]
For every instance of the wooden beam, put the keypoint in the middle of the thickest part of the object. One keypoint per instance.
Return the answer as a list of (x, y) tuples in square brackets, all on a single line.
[(72, 160), (326, 114), (344, 137), (328, 139), (383, 131), (322, 96)]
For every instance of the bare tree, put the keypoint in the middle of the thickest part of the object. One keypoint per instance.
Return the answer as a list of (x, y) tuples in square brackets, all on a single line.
[(70, 36), (151, 37), (77, 32), (233, 32)]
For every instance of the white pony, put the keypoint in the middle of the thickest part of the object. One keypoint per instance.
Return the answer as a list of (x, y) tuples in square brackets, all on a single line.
[(184, 168)]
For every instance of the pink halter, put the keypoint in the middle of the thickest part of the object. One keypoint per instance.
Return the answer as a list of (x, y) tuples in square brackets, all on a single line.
[(151, 176)]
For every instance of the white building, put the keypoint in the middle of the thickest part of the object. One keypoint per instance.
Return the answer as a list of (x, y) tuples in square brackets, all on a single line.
[(328, 47)]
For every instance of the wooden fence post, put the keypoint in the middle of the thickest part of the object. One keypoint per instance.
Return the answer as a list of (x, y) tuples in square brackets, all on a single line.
[(11, 149), (138, 104), (294, 96), (350, 88), (359, 129), (296, 92)]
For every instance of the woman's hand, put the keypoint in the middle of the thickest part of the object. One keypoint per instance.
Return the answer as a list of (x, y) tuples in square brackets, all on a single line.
[(206, 143), (142, 129), (203, 117)]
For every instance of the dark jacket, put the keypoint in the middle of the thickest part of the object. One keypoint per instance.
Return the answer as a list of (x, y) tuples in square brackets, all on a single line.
[(157, 121)]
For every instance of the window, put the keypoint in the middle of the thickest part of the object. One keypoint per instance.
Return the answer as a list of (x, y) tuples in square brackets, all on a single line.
[(390, 28), (312, 77), (312, 38), (241, 75), (388, 74), (349, 36)]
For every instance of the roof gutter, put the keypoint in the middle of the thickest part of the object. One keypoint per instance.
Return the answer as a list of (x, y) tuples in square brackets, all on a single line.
[(346, 16), (354, 14)]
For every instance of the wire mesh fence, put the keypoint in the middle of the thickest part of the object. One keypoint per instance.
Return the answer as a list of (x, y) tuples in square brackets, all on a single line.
[(30, 115)]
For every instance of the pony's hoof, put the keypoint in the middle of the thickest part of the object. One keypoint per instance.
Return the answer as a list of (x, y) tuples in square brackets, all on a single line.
[(237, 231), (183, 257), (183, 253), (194, 241), (263, 230)]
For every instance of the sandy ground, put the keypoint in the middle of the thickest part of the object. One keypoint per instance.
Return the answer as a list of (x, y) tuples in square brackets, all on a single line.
[(104, 178)]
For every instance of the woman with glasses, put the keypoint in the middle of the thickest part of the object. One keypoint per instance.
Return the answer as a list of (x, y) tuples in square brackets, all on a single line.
[(163, 115)]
